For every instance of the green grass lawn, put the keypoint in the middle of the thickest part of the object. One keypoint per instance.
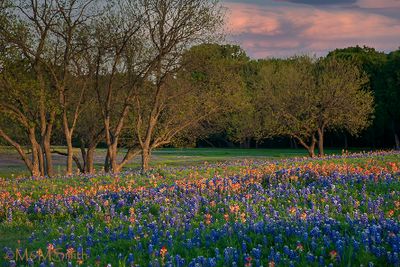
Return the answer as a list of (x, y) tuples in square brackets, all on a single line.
[(11, 165)]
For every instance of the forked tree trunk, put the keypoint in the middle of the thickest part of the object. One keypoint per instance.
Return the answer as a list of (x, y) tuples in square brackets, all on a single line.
[(112, 156), (311, 147), (88, 158), (33, 163)]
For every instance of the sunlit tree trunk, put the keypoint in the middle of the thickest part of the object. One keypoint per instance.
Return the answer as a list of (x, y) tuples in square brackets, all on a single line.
[(146, 154)]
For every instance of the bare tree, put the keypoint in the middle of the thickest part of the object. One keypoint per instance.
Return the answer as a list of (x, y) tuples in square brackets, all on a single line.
[(17, 89), (118, 46), (66, 64), (171, 27), (25, 27)]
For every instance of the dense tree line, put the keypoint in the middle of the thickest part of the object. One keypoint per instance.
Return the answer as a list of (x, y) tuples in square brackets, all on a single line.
[(133, 76), (379, 77)]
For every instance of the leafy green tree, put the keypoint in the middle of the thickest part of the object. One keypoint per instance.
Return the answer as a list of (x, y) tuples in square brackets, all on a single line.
[(304, 97), (391, 96), (288, 100), (341, 102), (205, 86), (243, 123), (18, 125), (29, 45), (373, 63), (49, 36)]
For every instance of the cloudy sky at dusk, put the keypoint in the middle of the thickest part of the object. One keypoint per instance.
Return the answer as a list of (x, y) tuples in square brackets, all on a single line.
[(281, 28)]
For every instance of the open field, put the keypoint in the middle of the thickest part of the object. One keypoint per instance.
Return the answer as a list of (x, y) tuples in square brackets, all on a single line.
[(339, 211), (12, 165)]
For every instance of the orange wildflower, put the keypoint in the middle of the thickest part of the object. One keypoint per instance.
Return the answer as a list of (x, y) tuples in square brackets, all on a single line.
[(390, 213), (50, 247), (292, 210), (243, 217), (226, 217), (163, 251), (207, 218)]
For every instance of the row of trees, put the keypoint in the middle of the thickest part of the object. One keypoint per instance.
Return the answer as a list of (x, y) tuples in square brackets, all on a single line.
[(109, 69), (302, 98), (137, 75), (379, 76), (383, 71)]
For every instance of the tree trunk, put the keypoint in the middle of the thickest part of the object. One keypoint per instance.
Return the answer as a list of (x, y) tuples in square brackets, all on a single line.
[(35, 170), (48, 157), (248, 142), (83, 154), (396, 137), (396, 141), (245, 142), (70, 154), (107, 163), (35, 162), (68, 132), (311, 148), (41, 160), (112, 154), (145, 159), (88, 153), (320, 142), (89, 167), (293, 143)]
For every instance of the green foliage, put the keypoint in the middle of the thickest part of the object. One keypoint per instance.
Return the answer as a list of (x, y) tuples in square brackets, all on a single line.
[(211, 74), (381, 71), (303, 96)]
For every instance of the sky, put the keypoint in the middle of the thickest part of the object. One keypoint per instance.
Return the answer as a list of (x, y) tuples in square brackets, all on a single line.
[(283, 28)]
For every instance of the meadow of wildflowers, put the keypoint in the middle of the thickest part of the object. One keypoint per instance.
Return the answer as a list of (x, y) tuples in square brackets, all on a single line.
[(338, 211)]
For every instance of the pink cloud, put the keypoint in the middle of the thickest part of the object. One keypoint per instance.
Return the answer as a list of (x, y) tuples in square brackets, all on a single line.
[(350, 24), (286, 30), (244, 19)]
